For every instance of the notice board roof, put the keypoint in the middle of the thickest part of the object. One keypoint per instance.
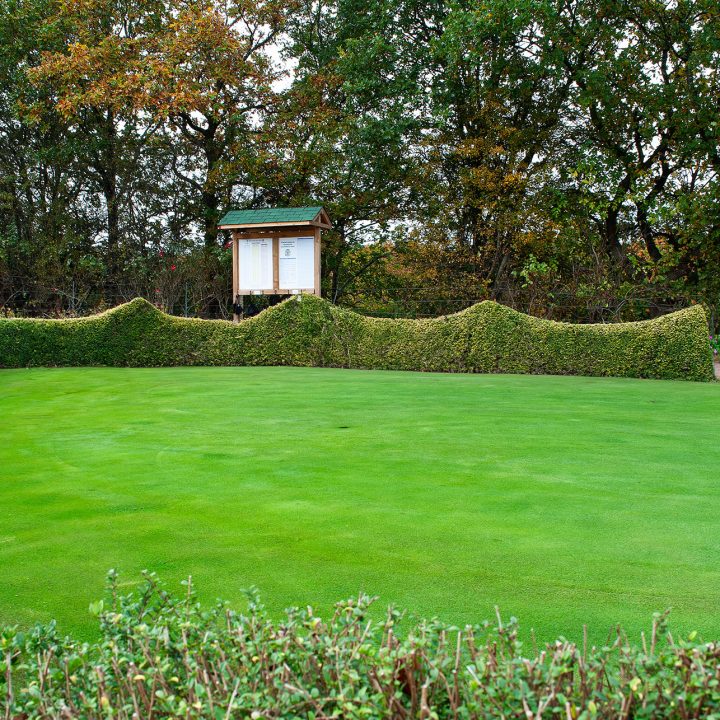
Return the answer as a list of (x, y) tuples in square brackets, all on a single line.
[(269, 217)]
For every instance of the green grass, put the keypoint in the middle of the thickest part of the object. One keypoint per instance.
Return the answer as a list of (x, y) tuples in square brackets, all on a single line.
[(563, 500)]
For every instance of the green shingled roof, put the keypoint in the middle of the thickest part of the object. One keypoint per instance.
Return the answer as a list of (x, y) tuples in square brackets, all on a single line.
[(270, 215)]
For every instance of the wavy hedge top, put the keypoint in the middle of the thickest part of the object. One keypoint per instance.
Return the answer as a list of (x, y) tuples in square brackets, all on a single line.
[(486, 337)]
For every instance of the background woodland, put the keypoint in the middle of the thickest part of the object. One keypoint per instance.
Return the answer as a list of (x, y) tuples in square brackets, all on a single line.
[(560, 157)]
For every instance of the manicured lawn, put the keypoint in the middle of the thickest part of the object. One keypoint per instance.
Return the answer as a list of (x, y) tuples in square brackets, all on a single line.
[(563, 500)]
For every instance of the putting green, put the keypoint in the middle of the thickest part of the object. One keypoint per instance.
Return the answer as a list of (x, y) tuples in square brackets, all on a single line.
[(563, 500)]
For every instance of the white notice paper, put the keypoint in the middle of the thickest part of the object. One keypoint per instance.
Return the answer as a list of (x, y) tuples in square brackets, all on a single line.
[(297, 263), (255, 260), (288, 264)]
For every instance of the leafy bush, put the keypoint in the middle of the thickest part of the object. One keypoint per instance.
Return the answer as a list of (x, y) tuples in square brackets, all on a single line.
[(484, 338), (162, 656)]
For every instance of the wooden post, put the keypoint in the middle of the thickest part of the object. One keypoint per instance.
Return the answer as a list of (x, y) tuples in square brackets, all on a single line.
[(276, 262), (318, 289), (235, 273)]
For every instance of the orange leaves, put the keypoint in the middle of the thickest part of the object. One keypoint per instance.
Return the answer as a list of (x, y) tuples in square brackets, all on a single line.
[(209, 62), (188, 58), (95, 75)]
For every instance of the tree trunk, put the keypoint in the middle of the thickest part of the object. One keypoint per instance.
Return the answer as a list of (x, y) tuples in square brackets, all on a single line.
[(210, 198), (113, 222), (211, 216), (109, 173), (611, 236), (646, 232), (336, 290)]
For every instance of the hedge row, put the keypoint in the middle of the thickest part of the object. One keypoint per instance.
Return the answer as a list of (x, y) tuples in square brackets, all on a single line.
[(486, 338), (164, 657)]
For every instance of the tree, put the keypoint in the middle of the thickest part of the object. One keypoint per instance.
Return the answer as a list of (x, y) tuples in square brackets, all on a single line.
[(471, 97), (44, 225), (337, 140), (88, 84), (209, 74)]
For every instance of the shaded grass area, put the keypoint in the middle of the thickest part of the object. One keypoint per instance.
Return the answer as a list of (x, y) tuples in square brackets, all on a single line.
[(563, 500)]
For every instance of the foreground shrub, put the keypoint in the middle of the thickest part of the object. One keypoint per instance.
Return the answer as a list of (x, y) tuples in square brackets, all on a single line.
[(484, 338), (161, 656)]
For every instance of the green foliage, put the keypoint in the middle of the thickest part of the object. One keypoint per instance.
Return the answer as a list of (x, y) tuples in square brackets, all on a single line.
[(484, 338), (552, 151), (166, 656)]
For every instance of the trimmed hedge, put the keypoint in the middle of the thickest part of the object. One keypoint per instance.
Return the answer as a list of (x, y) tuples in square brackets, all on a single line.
[(486, 338), (162, 656)]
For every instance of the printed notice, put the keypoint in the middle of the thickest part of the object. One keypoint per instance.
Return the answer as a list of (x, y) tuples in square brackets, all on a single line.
[(288, 264), (255, 259), (306, 263)]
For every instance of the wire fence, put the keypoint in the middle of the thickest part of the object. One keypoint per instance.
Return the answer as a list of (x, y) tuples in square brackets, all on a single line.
[(186, 299), (599, 307), (214, 301)]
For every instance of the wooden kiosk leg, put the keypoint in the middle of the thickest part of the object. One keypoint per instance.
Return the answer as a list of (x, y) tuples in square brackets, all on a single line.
[(235, 275), (317, 261)]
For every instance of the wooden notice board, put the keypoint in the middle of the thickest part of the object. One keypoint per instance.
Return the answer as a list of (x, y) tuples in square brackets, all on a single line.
[(276, 251)]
